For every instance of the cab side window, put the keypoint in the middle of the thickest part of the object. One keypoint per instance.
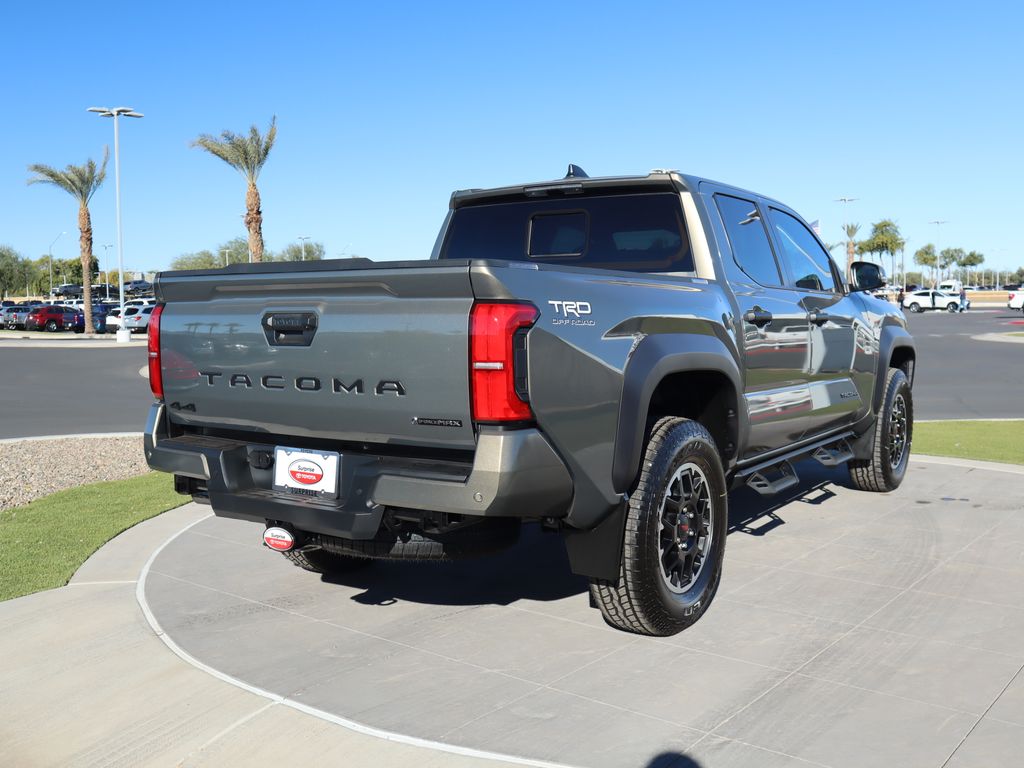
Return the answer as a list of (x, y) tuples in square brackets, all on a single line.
[(810, 266), (750, 246)]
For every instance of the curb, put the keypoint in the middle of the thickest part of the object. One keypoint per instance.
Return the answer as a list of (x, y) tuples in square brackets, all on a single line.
[(991, 466), (1003, 337), (76, 436)]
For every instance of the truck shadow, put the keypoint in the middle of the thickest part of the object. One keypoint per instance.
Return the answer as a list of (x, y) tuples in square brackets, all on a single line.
[(537, 568), (755, 515)]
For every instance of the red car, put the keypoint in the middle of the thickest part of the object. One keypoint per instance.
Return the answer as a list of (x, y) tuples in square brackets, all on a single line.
[(51, 318)]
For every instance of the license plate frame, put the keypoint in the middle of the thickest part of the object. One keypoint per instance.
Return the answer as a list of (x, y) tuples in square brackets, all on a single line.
[(303, 472)]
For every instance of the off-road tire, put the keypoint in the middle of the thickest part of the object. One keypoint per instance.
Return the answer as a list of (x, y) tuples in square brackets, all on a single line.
[(640, 601), (322, 561), (878, 474), (481, 538)]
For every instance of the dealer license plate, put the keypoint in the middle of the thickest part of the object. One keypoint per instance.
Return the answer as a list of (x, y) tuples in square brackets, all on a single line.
[(307, 473)]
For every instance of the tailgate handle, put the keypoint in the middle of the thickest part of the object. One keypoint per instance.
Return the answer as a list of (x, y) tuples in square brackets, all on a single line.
[(290, 329)]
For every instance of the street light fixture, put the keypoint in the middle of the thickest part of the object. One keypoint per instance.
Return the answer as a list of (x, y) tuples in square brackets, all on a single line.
[(303, 239), (123, 334), (50, 252)]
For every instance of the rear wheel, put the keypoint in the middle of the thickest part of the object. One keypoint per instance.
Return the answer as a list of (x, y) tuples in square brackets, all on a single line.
[(674, 538), (894, 432), (51, 325)]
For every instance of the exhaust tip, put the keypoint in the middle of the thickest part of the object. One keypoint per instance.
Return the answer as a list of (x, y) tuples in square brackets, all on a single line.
[(278, 539)]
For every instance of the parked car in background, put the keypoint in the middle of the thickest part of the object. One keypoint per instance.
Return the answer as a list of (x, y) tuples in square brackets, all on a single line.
[(13, 316), (140, 303), (919, 301), (133, 287), (139, 320), (114, 318), (52, 318), (950, 286), (15, 321), (68, 290), (1016, 300), (6, 303)]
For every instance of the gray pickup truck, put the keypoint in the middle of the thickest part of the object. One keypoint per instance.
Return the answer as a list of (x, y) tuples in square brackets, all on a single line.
[(605, 357)]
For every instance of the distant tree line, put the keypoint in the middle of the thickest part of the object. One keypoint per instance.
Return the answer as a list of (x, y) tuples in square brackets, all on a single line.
[(885, 242), (236, 251), (22, 276)]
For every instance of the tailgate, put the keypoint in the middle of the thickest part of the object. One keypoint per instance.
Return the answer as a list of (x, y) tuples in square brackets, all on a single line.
[(375, 354)]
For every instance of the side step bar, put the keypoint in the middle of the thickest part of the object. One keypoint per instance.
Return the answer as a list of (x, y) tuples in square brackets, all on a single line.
[(759, 480), (830, 452), (835, 454)]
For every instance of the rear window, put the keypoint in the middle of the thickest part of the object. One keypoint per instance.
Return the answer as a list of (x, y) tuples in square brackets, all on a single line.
[(633, 233)]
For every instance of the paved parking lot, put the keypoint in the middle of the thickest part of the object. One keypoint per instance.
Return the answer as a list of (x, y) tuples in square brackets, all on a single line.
[(76, 388), (72, 389), (961, 378), (850, 630)]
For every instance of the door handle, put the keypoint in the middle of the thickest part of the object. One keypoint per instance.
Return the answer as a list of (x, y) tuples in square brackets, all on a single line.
[(819, 318), (757, 316)]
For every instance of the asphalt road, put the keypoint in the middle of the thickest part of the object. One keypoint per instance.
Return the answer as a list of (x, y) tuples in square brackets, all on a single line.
[(961, 378), (72, 391), (67, 391)]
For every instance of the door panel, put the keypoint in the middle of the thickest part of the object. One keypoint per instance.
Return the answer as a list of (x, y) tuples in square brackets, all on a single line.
[(836, 399), (776, 356)]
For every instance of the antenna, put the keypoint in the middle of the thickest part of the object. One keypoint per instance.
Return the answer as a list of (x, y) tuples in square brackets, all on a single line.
[(575, 172)]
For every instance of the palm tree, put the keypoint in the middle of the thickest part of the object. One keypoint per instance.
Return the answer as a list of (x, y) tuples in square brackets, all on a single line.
[(81, 182), (246, 154), (851, 231)]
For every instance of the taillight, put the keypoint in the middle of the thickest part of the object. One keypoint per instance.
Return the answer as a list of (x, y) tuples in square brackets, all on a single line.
[(497, 337), (156, 379)]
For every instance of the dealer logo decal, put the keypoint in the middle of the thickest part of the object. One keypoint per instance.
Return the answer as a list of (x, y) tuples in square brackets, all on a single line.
[(305, 472)]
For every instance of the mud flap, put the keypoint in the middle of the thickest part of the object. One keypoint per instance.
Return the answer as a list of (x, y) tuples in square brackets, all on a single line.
[(597, 553)]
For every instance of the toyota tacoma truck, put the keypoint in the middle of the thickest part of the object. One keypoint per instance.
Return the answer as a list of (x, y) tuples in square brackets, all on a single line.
[(604, 357)]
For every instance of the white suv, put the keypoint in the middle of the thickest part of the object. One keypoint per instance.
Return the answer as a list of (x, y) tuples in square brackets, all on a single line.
[(1016, 300)]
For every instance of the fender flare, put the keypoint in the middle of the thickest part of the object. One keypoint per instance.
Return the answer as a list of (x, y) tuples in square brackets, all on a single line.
[(656, 357), (892, 338)]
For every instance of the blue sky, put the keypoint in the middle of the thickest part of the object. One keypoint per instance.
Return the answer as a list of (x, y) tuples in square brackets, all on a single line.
[(384, 108)]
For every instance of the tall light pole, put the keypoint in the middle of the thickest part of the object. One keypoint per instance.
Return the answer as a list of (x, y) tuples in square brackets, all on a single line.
[(105, 249), (224, 252), (303, 239), (123, 334), (938, 223), (50, 252)]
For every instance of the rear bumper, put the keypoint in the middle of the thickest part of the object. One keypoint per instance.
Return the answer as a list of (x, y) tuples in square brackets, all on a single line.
[(515, 473)]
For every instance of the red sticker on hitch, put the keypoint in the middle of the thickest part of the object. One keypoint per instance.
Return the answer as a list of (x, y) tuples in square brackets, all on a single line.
[(278, 539)]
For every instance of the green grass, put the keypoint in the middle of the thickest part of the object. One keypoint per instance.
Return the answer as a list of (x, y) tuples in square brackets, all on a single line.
[(43, 543), (982, 440)]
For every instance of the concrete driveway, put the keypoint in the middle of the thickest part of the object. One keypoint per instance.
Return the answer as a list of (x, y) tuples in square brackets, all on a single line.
[(850, 630)]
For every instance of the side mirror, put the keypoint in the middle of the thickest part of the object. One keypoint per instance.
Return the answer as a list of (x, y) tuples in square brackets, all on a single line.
[(866, 276)]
